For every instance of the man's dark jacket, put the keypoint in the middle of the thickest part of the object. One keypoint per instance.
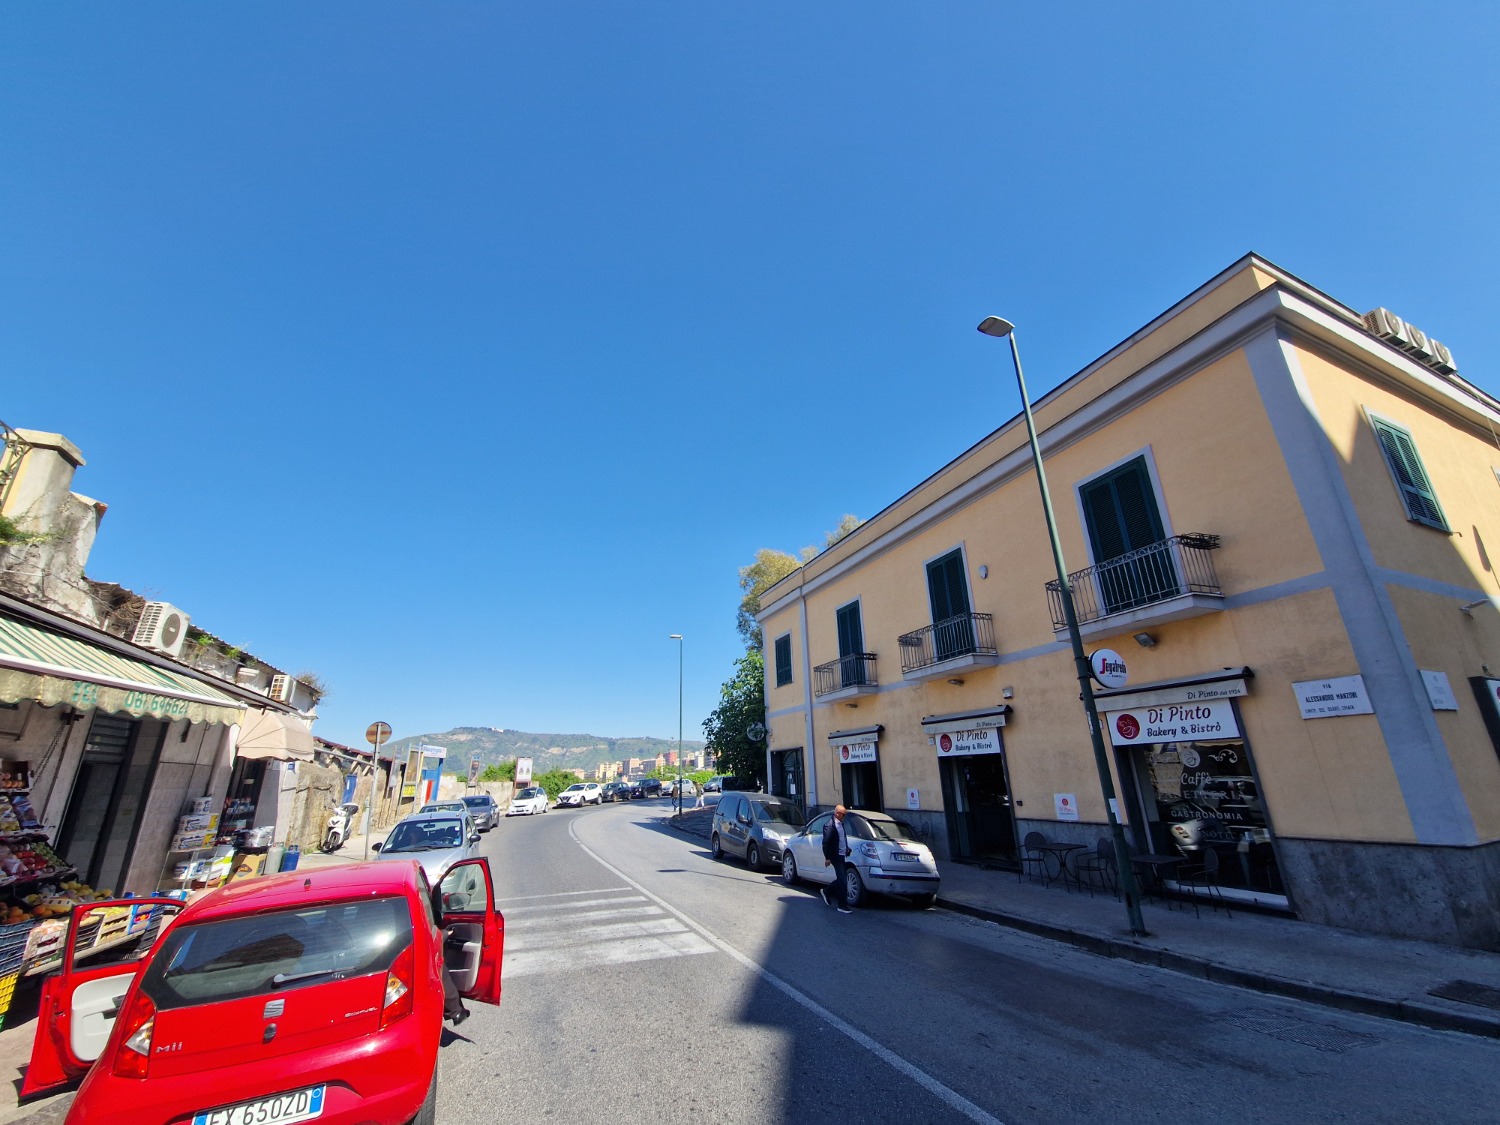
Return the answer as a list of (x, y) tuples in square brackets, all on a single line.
[(831, 840)]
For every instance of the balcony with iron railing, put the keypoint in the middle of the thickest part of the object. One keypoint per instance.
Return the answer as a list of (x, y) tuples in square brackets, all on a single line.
[(845, 677), (1167, 581), (949, 646)]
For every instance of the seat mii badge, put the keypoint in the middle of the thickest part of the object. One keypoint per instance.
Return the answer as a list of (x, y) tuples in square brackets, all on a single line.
[(274, 1008)]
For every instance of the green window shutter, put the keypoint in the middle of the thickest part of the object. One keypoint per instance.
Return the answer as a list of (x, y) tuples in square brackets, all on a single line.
[(851, 632), (1120, 508), (783, 660), (1411, 479), (946, 588)]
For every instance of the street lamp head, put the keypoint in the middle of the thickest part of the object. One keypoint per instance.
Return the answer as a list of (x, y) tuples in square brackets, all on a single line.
[(996, 326), (675, 637)]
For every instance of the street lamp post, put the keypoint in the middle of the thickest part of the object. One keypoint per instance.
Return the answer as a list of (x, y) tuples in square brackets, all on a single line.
[(995, 326), (678, 638)]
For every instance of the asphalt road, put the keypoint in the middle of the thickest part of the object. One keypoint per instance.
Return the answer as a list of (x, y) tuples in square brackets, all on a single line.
[(646, 982)]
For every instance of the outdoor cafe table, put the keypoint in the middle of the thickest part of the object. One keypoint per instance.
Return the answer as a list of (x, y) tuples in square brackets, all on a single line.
[(1059, 855), (1160, 867)]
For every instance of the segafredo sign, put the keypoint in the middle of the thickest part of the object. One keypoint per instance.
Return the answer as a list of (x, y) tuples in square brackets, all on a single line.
[(1109, 668)]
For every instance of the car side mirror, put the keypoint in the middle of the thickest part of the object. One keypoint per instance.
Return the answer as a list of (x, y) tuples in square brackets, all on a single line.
[(474, 837), (377, 847)]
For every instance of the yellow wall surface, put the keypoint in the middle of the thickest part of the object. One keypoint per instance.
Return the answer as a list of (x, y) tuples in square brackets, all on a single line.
[(1442, 639), (1460, 463)]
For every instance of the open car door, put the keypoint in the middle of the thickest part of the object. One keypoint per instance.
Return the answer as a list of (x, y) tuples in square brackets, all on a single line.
[(105, 945), (473, 931)]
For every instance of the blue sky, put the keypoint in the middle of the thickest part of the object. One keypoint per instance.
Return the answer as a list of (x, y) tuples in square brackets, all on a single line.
[(464, 352)]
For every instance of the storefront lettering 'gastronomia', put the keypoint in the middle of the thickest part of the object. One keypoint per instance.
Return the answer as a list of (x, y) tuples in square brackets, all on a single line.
[(1278, 642)]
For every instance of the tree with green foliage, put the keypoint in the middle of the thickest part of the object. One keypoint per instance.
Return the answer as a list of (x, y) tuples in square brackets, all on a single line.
[(742, 704), (770, 567), (504, 771), (555, 781)]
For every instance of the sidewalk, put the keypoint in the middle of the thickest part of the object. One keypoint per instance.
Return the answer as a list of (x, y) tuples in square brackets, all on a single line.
[(1377, 976)]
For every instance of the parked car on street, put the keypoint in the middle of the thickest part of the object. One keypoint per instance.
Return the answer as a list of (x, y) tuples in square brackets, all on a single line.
[(688, 788), (435, 840), (582, 793), (274, 1000), (645, 787), (886, 858), (528, 802), (454, 806), (615, 791), (754, 826), (483, 809)]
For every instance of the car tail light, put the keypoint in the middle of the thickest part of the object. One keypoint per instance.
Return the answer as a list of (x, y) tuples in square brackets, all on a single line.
[(400, 983), (870, 850), (134, 1055)]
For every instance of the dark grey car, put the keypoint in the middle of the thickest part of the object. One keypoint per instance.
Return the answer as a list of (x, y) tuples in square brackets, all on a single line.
[(754, 826), (483, 810)]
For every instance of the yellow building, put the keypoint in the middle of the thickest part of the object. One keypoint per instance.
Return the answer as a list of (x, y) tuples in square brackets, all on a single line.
[(1281, 516)]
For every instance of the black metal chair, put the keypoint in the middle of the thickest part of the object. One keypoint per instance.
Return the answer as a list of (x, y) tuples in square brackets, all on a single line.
[(1203, 876), (1098, 864), (1031, 858)]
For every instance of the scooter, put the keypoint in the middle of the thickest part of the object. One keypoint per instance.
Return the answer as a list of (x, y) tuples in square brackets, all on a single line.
[(339, 826)]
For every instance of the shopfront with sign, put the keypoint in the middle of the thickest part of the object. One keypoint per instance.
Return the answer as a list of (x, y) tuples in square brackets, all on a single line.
[(858, 755), (1189, 780), (970, 750)]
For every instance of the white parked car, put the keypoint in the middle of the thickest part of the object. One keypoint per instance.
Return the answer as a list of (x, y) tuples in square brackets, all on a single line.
[(583, 793), (886, 858), (528, 802)]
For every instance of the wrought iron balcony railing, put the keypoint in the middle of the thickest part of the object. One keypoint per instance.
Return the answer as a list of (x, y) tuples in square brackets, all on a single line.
[(855, 670), (964, 635), (1156, 573)]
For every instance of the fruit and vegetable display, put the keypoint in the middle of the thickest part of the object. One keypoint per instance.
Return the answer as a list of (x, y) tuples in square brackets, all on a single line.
[(16, 813), (51, 900), (29, 858)]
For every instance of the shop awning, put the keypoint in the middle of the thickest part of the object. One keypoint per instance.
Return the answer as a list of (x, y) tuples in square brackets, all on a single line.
[(856, 734), (52, 669), (988, 718), (270, 734)]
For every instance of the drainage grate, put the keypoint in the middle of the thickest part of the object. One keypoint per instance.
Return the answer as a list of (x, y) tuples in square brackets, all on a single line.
[(1292, 1030), (1468, 992)]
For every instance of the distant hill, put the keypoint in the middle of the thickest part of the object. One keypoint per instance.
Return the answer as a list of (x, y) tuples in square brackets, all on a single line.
[(549, 751)]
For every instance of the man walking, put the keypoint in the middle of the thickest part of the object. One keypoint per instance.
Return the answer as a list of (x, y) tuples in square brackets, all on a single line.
[(835, 855)]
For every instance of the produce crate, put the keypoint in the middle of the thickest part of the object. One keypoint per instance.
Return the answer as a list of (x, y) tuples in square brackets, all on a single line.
[(7, 994), (13, 941)]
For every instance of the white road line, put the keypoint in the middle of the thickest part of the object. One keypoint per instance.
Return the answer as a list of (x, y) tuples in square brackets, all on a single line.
[(563, 907), (528, 940), (575, 916), (945, 1093), (561, 894), (575, 957)]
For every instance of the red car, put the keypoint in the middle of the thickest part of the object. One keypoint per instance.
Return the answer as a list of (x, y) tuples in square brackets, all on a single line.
[(313, 995)]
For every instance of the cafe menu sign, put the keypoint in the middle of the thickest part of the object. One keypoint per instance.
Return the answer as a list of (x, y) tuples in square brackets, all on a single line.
[(1174, 722), (857, 752), (959, 743), (1340, 695)]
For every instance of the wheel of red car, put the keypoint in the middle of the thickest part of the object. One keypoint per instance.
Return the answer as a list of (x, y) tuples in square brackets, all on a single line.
[(427, 1115)]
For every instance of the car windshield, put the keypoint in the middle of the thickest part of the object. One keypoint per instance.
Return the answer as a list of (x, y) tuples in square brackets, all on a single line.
[(424, 835), (443, 806), (573, 788), (252, 954), (777, 812), (882, 830), (478, 802), (529, 793)]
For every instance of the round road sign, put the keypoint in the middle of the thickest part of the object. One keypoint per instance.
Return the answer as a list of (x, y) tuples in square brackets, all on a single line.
[(376, 733)]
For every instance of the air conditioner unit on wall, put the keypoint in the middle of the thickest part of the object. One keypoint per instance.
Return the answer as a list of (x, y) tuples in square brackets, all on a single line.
[(162, 627), (282, 688)]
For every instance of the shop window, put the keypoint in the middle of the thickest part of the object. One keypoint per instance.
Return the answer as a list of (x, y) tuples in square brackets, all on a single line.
[(1410, 477), (783, 660)]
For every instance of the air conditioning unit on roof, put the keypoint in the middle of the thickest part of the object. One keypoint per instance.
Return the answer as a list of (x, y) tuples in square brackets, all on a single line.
[(162, 627), (283, 688)]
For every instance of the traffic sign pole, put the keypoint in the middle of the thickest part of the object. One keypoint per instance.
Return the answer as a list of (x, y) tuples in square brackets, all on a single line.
[(375, 734)]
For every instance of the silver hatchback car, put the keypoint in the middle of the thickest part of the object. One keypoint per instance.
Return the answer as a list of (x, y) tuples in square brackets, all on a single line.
[(886, 858), (754, 826), (435, 840)]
